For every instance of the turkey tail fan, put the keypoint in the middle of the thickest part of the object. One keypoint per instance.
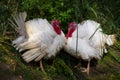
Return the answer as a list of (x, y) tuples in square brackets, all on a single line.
[(111, 39), (18, 22)]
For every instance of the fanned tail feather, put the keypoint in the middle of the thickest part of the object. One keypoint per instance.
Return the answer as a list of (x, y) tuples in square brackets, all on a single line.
[(18, 23), (110, 40)]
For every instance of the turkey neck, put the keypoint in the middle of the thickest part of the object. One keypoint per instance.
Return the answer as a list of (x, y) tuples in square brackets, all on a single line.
[(57, 30), (70, 31)]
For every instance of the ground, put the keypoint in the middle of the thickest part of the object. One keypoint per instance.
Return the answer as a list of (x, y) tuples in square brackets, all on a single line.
[(7, 74), (13, 67)]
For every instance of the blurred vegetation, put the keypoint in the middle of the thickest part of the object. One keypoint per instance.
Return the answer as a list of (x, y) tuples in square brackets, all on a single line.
[(106, 12)]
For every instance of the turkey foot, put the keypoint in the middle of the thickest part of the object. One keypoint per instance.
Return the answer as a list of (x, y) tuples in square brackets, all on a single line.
[(87, 70)]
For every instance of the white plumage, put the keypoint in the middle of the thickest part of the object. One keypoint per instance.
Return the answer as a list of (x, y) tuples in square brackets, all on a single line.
[(41, 39), (91, 41)]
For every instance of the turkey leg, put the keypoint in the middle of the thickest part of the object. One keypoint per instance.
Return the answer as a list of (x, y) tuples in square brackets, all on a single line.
[(41, 66), (87, 69)]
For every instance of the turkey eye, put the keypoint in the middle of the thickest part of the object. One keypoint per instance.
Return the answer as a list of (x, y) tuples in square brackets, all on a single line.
[(71, 27), (54, 24)]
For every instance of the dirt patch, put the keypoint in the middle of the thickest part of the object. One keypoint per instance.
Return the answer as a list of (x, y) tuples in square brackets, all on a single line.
[(7, 74)]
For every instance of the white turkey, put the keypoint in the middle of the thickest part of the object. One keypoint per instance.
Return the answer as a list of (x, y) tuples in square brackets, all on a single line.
[(38, 37), (89, 42)]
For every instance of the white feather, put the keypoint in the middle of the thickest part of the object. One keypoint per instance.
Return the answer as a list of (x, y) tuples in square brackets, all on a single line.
[(58, 43), (40, 39), (91, 41)]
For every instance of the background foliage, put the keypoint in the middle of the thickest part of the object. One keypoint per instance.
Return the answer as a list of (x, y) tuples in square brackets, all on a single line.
[(106, 12)]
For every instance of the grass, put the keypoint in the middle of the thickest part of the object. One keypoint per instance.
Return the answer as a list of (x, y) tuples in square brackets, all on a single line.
[(62, 66)]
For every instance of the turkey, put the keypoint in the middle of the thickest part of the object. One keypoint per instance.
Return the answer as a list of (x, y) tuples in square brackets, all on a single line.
[(89, 42), (38, 38)]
